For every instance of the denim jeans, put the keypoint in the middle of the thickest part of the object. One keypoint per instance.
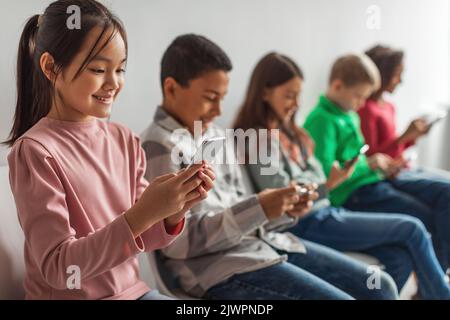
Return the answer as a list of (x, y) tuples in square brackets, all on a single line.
[(417, 193), (426, 173), (322, 273), (400, 242)]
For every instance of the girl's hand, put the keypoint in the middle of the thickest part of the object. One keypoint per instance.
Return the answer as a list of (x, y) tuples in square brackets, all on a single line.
[(415, 130), (338, 175), (385, 163), (401, 161), (303, 207), (165, 196), (275, 202), (207, 175)]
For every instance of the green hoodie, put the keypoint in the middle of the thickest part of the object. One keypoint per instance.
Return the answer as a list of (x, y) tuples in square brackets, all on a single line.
[(338, 136)]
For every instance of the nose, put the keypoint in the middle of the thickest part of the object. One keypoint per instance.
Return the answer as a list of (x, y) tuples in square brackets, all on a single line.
[(296, 103), (217, 109), (112, 82)]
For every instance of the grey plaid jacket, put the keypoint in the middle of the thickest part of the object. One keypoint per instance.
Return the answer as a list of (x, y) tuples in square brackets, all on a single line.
[(226, 234)]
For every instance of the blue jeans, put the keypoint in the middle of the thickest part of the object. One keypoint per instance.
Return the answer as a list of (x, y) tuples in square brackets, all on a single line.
[(322, 273), (426, 173), (416, 193), (400, 242)]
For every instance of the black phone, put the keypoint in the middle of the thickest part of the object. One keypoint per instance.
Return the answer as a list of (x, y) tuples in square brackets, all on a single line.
[(362, 150)]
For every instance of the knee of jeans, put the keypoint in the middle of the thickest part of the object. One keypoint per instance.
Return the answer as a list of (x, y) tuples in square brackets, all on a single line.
[(388, 289), (416, 228)]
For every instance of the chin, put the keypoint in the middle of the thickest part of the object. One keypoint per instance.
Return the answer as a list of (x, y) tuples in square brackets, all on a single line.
[(101, 115), (288, 117), (103, 112), (205, 127)]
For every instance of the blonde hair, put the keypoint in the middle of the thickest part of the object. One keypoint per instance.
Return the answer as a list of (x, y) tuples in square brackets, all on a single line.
[(354, 69)]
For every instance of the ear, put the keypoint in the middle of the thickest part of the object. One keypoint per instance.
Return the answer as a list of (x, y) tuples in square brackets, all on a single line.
[(170, 87), (47, 64), (337, 84)]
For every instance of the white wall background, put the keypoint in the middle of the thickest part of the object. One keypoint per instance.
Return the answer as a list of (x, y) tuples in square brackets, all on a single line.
[(313, 32)]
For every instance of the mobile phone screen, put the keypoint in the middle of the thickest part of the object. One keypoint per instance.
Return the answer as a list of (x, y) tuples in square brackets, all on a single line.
[(208, 150)]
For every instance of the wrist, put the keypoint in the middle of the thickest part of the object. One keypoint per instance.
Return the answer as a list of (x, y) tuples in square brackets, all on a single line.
[(130, 217), (373, 163), (174, 220), (404, 138), (136, 221)]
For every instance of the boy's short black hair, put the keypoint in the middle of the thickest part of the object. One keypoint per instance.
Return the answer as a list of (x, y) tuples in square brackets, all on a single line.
[(190, 56)]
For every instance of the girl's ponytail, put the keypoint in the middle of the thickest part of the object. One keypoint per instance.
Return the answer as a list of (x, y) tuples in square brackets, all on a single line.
[(27, 113)]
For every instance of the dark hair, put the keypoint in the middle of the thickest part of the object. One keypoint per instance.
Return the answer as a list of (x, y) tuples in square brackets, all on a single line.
[(190, 56), (271, 71), (50, 33), (387, 60), (353, 70)]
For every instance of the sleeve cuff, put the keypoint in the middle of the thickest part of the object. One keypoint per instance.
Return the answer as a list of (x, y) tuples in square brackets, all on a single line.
[(133, 245), (249, 214), (175, 230), (281, 223)]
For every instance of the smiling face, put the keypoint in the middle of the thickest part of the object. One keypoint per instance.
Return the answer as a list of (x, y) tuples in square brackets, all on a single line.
[(283, 99), (92, 93), (201, 100)]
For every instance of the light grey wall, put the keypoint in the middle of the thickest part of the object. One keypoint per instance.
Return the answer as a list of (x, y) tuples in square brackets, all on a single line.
[(312, 32)]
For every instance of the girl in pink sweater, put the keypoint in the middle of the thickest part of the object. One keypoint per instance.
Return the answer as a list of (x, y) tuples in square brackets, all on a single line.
[(78, 182)]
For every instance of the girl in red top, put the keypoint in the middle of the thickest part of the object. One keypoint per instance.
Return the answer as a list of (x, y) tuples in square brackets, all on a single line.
[(378, 115), (428, 191)]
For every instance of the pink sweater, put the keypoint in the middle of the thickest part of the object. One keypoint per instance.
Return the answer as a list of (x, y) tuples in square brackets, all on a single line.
[(72, 182), (379, 129)]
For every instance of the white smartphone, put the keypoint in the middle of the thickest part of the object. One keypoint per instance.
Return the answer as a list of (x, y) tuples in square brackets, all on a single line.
[(303, 190), (207, 150), (362, 150), (435, 119)]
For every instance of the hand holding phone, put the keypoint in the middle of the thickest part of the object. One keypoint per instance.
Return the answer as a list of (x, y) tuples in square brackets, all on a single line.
[(363, 150), (306, 191)]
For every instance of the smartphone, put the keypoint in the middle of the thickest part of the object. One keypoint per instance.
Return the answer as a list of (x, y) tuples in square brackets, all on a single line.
[(363, 150), (437, 118), (303, 190), (207, 150)]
